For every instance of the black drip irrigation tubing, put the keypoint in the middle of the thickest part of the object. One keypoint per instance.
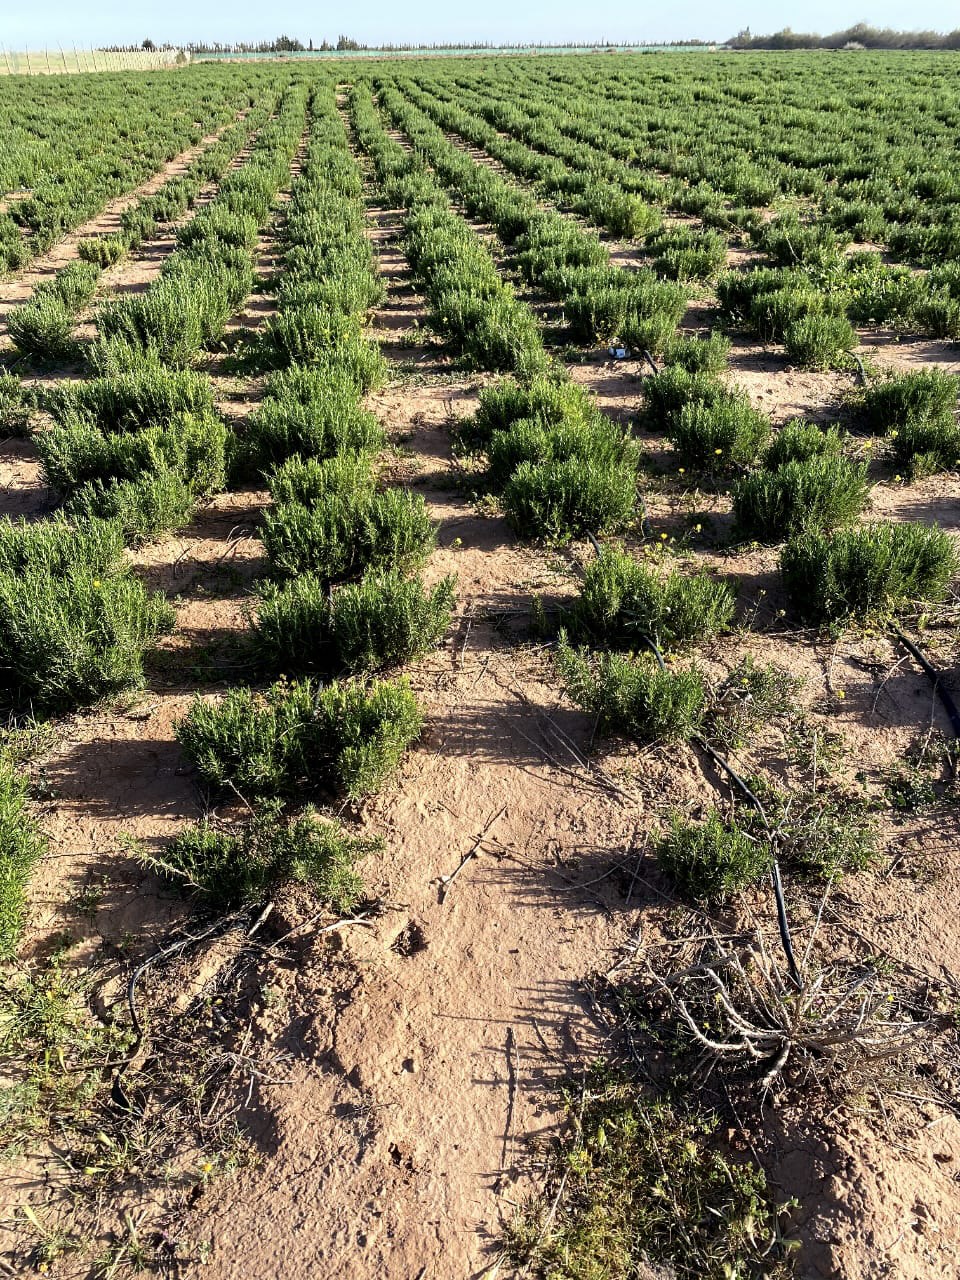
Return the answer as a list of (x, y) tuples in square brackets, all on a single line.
[(935, 678)]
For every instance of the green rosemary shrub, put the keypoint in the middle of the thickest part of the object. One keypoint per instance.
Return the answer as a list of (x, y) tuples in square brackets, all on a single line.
[(22, 845), (716, 436), (194, 447), (75, 284), (150, 396), (594, 439), (924, 448), (313, 412), (773, 312), (314, 336), (342, 738), (667, 392), (493, 333), (713, 859), (385, 620), (547, 399), (800, 441), (227, 866), (42, 329), (684, 254), (16, 406), (699, 355), (632, 695), (563, 498), (873, 570), (144, 509), (622, 602), (55, 545), (923, 397), (310, 480), (72, 636), (345, 534), (104, 251), (821, 493), (820, 342)]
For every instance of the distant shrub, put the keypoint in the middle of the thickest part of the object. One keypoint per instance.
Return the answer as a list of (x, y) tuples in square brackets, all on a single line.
[(721, 434), (800, 441), (713, 859), (876, 569), (22, 845), (622, 602), (633, 695), (652, 334), (236, 229), (343, 535), (104, 251), (42, 327), (385, 620), (684, 254), (227, 866), (819, 342), (788, 241), (820, 493), (342, 737), (563, 498)]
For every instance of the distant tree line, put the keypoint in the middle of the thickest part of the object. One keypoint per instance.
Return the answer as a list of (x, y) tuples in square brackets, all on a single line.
[(860, 36), (344, 44)]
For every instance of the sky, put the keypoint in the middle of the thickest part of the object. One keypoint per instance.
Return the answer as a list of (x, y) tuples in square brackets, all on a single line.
[(47, 23)]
